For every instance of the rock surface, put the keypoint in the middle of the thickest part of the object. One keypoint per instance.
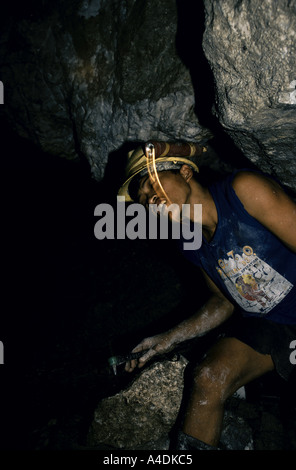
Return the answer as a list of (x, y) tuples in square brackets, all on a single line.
[(142, 416), (251, 48), (144, 412), (82, 78)]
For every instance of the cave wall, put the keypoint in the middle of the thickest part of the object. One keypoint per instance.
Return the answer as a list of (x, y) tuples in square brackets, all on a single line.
[(251, 48), (83, 78)]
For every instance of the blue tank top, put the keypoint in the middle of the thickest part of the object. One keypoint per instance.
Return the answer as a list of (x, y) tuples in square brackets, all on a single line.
[(250, 265)]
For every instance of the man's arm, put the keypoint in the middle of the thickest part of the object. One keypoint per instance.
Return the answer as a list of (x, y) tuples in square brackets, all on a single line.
[(213, 313), (266, 201)]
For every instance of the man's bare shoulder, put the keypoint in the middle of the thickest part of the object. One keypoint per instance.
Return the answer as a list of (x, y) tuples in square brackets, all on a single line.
[(255, 190), (265, 200)]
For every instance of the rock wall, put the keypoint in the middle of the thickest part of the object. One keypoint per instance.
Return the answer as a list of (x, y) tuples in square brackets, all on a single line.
[(251, 48), (84, 78)]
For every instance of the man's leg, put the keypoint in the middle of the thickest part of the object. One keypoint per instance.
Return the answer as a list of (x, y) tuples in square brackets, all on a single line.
[(229, 365)]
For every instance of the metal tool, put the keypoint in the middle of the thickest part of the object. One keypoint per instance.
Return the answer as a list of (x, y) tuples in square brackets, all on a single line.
[(115, 361)]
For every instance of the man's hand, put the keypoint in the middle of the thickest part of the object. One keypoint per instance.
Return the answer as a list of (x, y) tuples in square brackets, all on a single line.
[(214, 312), (159, 344)]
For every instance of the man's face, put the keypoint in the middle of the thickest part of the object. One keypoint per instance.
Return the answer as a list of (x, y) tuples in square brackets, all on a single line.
[(174, 190)]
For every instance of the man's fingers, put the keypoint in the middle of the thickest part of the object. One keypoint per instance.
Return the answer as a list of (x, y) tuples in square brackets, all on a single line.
[(133, 363), (146, 357), (141, 361), (130, 365), (144, 345), (150, 347)]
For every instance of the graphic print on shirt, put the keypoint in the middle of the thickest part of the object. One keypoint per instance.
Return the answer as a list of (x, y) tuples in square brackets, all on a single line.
[(252, 283)]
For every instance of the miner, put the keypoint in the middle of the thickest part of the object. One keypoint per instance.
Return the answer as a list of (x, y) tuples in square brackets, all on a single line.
[(248, 260)]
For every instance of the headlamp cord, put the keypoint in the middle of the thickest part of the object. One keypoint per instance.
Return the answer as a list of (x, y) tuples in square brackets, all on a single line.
[(152, 170)]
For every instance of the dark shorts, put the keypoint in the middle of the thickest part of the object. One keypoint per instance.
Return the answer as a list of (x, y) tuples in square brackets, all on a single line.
[(266, 337)]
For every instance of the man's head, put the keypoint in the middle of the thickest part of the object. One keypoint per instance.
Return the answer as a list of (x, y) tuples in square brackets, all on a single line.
[(172, 187), (139, 186)]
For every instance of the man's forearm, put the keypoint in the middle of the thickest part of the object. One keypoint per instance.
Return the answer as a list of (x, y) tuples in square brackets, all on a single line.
[(212, 314)]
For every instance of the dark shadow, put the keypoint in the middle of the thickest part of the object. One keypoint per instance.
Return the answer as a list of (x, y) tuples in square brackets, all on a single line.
[(115, 170), (190, 30), (189, 37)]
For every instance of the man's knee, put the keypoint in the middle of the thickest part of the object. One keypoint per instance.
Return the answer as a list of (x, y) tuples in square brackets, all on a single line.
[(213, 383), (219, 375)]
